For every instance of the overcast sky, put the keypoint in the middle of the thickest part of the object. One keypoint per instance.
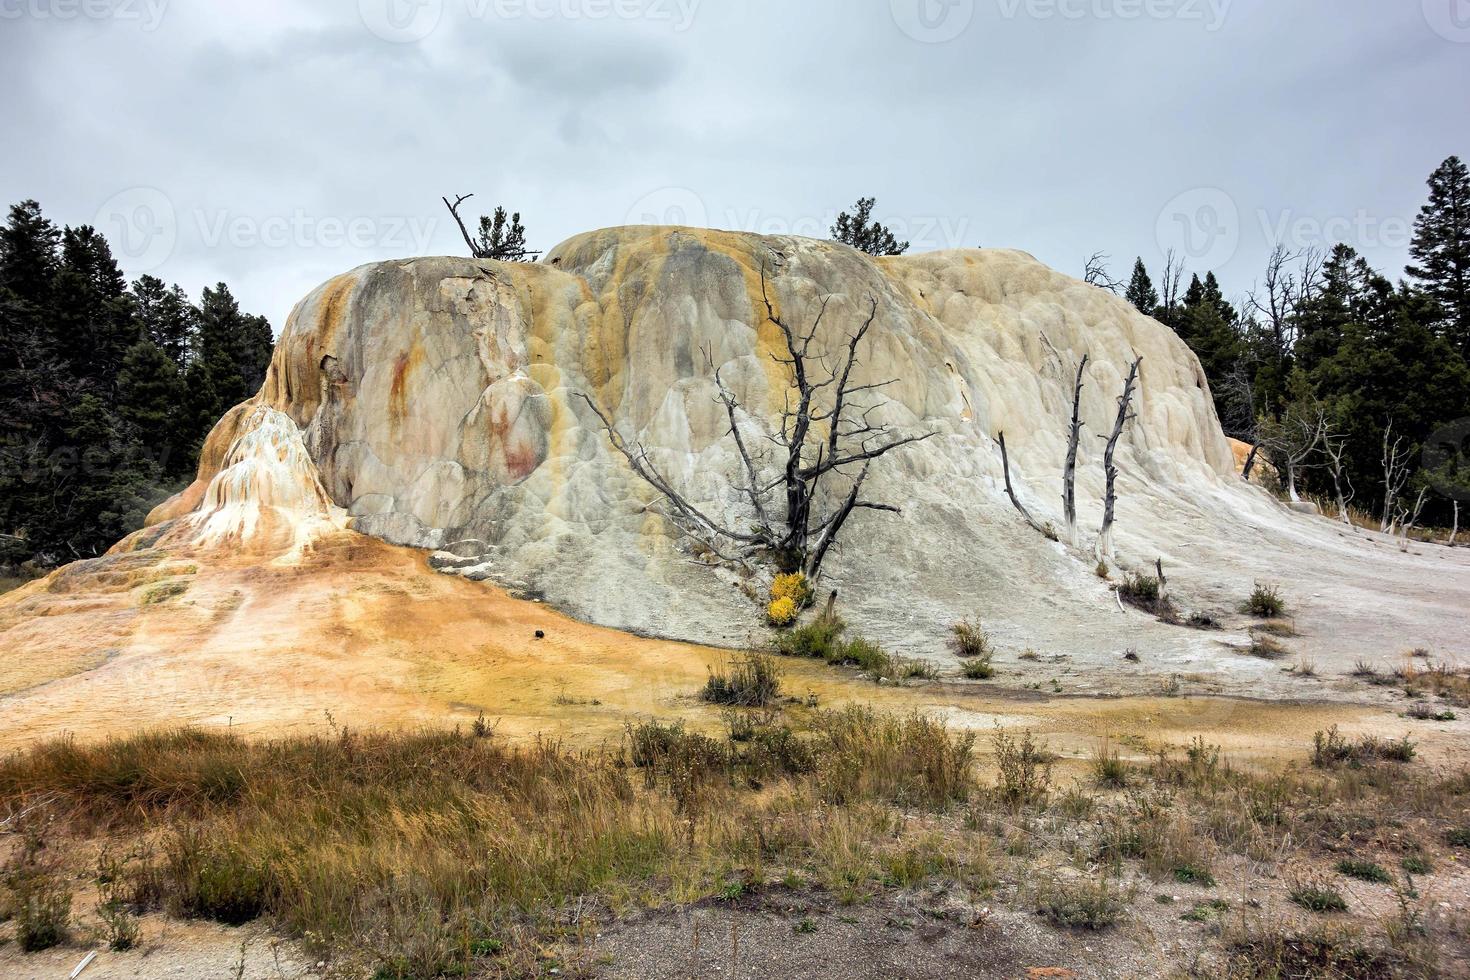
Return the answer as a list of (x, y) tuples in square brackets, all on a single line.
[(274, 143)]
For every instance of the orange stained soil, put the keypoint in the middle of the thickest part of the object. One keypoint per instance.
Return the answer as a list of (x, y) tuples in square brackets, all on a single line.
[(366, 632)]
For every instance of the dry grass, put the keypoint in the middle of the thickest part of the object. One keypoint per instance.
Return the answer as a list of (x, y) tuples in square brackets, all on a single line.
[(451, 853)]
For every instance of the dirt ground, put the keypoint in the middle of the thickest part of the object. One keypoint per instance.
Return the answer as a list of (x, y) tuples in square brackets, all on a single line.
[(149, 639)]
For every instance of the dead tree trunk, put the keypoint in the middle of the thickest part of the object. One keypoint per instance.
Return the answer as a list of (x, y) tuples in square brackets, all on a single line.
[(818, 437), (1069, 474), (1005, 461), (1110, 468), (1395, 475), (1335, 448), (1250, 462), (1455, 527)]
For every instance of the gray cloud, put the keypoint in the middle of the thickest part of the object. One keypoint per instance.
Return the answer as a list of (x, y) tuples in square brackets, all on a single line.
[(290, 140)]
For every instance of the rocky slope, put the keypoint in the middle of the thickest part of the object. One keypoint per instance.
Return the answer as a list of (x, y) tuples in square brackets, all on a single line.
[(435, 403)]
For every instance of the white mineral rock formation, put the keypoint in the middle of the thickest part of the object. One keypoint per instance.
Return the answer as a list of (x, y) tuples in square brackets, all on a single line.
[(265, 498), (437, 400)]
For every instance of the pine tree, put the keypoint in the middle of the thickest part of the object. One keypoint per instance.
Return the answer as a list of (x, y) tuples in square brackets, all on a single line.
[(1141, 292), (222, 348), (150, 394), (94, 315), (167, 317), (1441, 248), (865, 235), (502, 237), (1210, 326)]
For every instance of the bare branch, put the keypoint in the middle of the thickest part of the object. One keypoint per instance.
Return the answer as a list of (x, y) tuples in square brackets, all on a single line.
[(1005, 461)]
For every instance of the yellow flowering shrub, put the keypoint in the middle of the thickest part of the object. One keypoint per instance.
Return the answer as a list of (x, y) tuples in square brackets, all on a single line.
[(794, 587), (782, 611)]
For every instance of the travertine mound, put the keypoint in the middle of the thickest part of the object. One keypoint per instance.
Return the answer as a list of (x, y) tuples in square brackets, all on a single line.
[(438, 400)]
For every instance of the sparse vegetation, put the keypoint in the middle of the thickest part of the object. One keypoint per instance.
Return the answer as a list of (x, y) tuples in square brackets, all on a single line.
[(823, 640), (1330, 749), (1082, 903), (753, 681), (979, 669), (1025, 769), (1146, 592), (1268, 648), (1265, 602), (1364, 871), (1108, 769), (968, 638), (341, 841), (1283, 628), (1316, 895), (35, 894)]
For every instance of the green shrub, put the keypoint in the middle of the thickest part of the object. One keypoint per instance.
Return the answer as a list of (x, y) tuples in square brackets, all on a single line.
[(1190, 875), (1108, 769), (1090, 903), (213, 879), (1364, 871), (1140, 590), (753, 681), (823, 640), (1024, 769), (1265, 602), (1417, 864), (36, 895), (978, 669), (1315, 896)]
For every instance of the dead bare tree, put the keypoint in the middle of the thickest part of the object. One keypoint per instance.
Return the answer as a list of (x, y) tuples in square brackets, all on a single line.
[(1292, 439), (1240, 420), (1396, 455), (1334, 447), (1291, 279), (1069, 473), (818, 437), (1171, 286), (1408, 518), (1096, 273), (1110, 468), (1005, 461)]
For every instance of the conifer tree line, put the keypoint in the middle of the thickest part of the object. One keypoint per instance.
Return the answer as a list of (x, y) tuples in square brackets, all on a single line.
[(1330, 368), (107, 388)]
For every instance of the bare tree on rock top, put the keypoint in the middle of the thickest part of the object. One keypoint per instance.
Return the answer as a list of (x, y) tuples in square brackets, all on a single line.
[(865, 235), (1097, 274), (501, 237), (827, 435)]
